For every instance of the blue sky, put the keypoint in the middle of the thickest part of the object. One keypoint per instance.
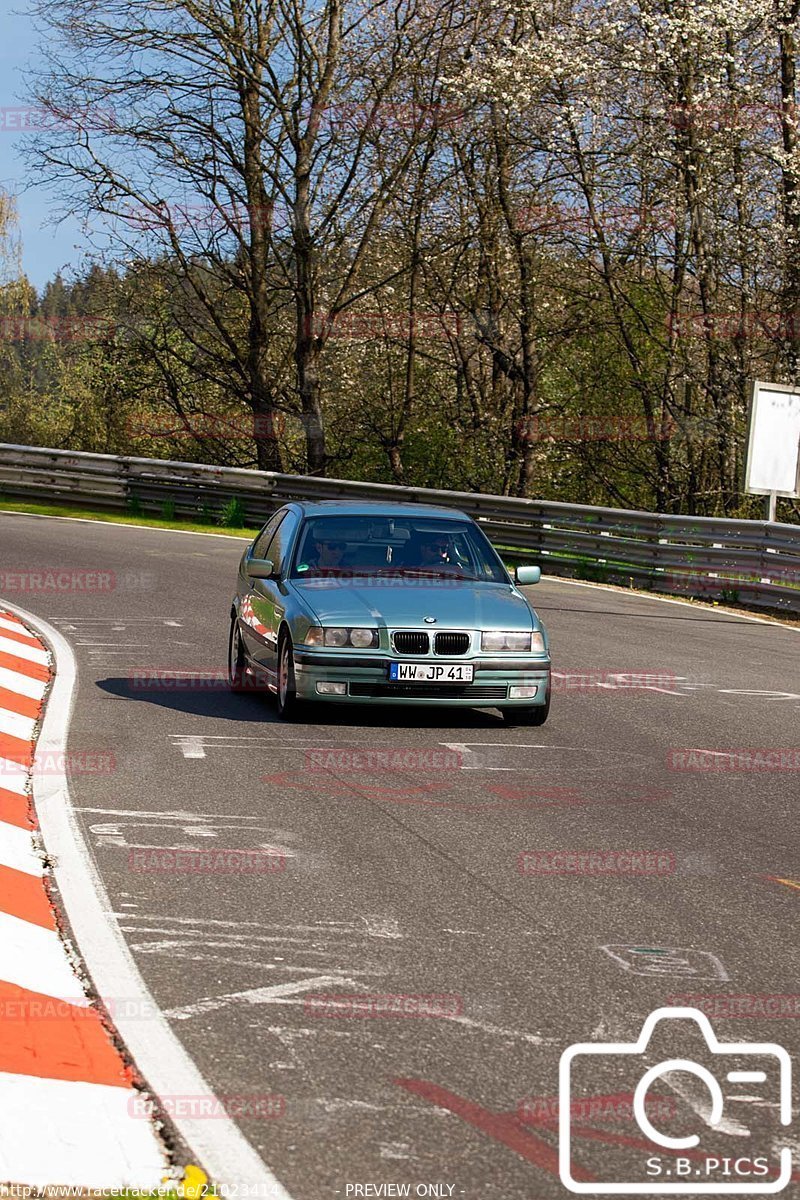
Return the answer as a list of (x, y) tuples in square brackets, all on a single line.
[(45, 248)]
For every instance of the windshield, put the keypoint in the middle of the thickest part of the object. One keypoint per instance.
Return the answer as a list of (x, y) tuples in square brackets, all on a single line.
[(421, 547)]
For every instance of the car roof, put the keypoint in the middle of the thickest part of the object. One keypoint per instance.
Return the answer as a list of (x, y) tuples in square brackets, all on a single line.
[(369, 508)]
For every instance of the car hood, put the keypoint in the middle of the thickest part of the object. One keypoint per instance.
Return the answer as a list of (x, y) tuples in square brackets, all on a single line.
[(407, 602)]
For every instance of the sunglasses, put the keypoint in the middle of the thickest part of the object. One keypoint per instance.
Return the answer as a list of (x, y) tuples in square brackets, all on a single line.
[(334, 545)]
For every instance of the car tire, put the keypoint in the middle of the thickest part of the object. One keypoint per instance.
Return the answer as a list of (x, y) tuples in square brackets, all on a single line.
[(537, 714), (288, 703), (236, 658)]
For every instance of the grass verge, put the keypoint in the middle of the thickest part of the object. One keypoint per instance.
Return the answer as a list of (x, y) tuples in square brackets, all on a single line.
[(114, 518)]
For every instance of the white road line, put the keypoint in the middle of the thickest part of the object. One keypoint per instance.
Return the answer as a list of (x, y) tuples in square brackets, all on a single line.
[(16, 725), (33, 958), (73, 1132), (12, 681), (117, 526), (16, 850), (698, 606), (218, 1145), (191, 747), (218, 818), (32, 654), (465, 748), (289, 993)]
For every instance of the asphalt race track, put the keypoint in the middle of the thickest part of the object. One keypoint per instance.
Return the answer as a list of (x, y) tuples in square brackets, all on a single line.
[(408, 881)]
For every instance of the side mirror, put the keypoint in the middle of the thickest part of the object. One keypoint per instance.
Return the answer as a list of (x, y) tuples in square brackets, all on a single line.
[(527, 574), (261, 568)]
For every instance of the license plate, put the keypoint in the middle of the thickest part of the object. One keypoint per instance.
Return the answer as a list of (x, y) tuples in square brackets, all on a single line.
[(431, 672)]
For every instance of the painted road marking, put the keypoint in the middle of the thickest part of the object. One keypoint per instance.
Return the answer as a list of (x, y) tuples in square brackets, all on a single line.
[(23, 896), (22, 706), (31, 653), (218, 1145), (13, 681), (14, 626), (70, 1132), (13, 776), (64, 1087), (666, 960), (17, 850), (503, 1127), (16, 725), (790, 883), (280, 993), (15, 632)]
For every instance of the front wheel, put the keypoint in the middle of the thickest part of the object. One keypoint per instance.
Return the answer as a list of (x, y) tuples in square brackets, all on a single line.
[(287, 689), (236, 659), (537, 714)]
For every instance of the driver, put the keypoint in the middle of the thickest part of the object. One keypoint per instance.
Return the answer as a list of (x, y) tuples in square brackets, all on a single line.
[(434, 550), (429, 550), (328, 554)]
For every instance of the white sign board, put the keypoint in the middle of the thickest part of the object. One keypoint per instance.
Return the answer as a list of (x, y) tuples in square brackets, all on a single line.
[(773, 449)]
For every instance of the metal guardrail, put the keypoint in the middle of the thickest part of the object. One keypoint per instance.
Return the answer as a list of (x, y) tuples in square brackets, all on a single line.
[(755, 562)]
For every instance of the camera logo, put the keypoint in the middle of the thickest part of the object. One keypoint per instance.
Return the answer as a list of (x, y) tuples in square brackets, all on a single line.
[(683, 1162)]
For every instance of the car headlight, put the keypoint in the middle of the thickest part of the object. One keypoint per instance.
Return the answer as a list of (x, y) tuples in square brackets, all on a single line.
[(364, 637), (513, 642), (340, 635)]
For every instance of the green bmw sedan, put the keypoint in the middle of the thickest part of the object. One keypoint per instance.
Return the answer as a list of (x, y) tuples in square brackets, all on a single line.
[(386, 604)]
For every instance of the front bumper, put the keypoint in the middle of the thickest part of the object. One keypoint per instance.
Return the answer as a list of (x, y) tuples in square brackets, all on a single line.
[(367, 679)]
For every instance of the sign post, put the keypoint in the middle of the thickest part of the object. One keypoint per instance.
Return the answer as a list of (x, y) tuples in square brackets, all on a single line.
[(772, 468)]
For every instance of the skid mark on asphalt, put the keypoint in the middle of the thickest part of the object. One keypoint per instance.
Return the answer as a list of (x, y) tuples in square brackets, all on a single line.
[(281, 993), (289, 993), (123, 830)]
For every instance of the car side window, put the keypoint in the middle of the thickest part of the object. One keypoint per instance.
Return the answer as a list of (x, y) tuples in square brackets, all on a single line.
[(267, 533), (282, 541)]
